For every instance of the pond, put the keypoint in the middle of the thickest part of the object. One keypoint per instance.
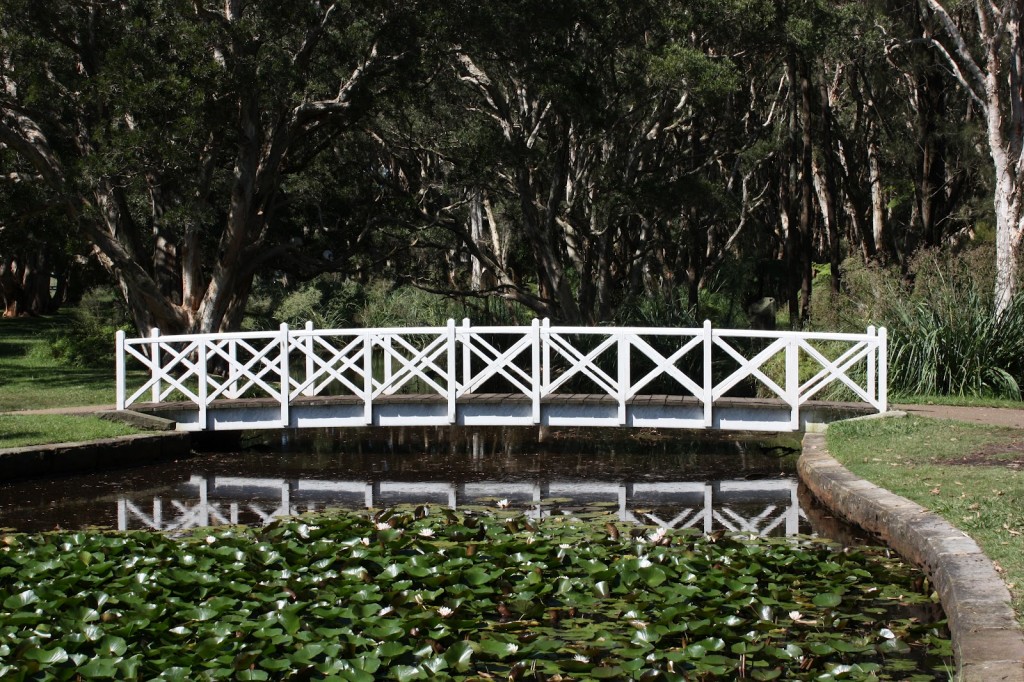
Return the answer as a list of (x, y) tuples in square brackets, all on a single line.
[(709, 484), (489, 555)]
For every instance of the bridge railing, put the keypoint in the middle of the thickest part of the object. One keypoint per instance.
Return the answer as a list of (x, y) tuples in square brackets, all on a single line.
[(539, 362)]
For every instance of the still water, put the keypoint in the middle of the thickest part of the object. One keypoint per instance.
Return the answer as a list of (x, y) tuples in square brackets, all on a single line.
[(663, 478)]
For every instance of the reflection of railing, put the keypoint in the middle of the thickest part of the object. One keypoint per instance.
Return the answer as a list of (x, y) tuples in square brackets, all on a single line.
[(706, 506), (506, 368)]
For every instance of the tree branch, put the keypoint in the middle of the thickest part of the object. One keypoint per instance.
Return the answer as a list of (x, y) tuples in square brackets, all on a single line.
[(960, 59)]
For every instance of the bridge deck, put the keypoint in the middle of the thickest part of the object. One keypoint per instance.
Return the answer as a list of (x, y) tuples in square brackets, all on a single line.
[(511, 409)]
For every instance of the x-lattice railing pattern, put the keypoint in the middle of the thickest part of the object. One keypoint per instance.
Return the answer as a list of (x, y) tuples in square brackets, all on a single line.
[(539, 363)]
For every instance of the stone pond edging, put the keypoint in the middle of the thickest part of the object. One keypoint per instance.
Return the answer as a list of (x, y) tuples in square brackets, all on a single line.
[(74, 458), (988, 643)]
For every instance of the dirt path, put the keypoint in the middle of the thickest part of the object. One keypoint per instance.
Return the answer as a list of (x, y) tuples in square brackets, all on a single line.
[(994, 416), (82, 409)]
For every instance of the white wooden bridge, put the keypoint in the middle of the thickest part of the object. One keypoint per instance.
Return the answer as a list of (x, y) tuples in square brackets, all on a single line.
[(693, 378)]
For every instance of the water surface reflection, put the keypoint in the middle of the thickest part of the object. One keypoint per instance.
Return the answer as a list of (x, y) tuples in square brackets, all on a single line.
[(652, 477)]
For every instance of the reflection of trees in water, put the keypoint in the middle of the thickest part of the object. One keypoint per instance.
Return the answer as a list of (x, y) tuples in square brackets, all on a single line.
[(462, 452)]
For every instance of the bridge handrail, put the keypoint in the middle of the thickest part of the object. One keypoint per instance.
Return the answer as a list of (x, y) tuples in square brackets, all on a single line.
[(458, 360)]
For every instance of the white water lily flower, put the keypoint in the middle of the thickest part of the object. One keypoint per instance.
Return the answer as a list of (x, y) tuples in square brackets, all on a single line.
[(426, 532), (210, 539), (795, 615), (658, 535), (503, 503), (444, 611), (581, 658), (383, 526), (565, 545)]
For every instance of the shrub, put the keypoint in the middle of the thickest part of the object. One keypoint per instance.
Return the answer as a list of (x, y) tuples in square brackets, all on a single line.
[(88, 341)]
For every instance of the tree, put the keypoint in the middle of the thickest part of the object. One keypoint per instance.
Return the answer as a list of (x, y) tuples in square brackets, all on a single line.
[(986, 57), (171, 129)]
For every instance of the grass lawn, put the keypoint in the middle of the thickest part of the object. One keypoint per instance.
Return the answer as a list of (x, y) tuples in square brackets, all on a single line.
[(19, 430), (30, 378), (972, 475)]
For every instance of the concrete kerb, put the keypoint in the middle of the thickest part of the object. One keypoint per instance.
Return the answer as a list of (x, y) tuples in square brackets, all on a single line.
[(988, 643)]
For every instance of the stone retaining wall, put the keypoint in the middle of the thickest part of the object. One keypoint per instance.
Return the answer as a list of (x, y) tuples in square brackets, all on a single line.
[(76, 458), (987, 640)]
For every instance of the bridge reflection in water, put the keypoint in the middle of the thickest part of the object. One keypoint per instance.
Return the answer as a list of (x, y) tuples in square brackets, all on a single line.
[(764, 507)]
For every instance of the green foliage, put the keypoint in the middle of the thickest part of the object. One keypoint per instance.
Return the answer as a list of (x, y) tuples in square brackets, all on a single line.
[(329, 301), (88, 341), (409, 595), (405, 306), (944, 335), (655, 310)]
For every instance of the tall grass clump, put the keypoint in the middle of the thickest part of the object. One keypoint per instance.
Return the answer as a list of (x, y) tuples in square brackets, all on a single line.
[(945, 337), (957, 345)]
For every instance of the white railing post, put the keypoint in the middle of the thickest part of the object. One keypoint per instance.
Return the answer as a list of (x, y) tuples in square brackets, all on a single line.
[(286, 378), (119, 360), (386, 344), (203, 387), (310, 389), (709, 380), (545, 337), (452, 372), (535, 371), (793, 512), (467, 356), (793, 382), (709, 506), (623, 375), (154, 357), (883, 370), (367, 377), (872, 355), (232, 390)]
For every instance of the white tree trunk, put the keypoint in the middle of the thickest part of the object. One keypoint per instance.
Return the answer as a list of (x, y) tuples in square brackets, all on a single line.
[(994, 78), (1009, 231)]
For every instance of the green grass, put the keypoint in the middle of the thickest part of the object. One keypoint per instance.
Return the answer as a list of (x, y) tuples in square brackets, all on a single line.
[(30, 378), (18, 430), (969, 474)]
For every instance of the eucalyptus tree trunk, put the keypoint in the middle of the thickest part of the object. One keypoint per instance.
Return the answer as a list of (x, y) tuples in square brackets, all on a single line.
[(993, 75)]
